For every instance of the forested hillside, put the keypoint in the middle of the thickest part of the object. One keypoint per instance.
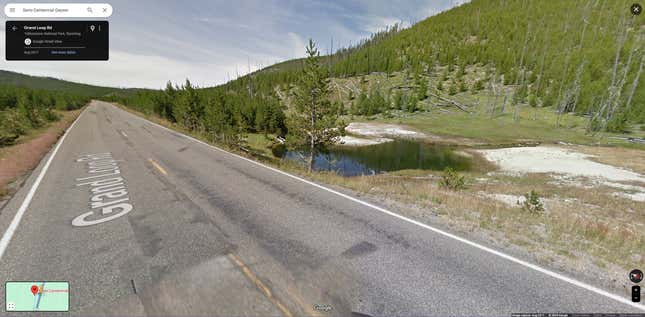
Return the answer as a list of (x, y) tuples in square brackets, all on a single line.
[(582, 56), (29, 102), (8, 78)]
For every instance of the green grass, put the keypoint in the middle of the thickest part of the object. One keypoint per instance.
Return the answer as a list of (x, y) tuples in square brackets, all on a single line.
[(502, 129), (259, 143)]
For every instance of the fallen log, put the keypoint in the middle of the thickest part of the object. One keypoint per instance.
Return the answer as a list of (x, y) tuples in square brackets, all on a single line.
[(454, 103)]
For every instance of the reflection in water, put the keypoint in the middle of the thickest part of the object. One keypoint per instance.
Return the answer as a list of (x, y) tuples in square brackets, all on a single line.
[(390, 156)]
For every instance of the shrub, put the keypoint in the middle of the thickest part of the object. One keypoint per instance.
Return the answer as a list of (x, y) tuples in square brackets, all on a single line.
[(549, 100), (398, 100), (618, 123), (452, 89), (532, 202), (532, 100), (278, 149), (15, 123), (452, 180), (50, 115), (444, 75), (422, 89), (462, 86), (411, 104), (520, 95), (7, 138), (478, 85)]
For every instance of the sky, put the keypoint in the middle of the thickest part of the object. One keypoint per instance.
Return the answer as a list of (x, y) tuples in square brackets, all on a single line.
[(210, 42)]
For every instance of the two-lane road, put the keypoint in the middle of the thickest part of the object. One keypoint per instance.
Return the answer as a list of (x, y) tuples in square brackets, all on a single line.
[(166, 225)]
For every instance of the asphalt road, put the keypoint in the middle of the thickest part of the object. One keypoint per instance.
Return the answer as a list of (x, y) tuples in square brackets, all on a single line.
[(210, 233)]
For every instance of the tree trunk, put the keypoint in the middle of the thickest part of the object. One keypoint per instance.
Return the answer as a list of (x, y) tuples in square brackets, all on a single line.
[(635, 84), (521, 69), (504, 104), (617, 89), (539, 79), (515, 114), (490, 91), (312, 156)]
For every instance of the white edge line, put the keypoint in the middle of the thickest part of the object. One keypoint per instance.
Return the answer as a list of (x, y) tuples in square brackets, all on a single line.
[(439, 231), (8, 234)]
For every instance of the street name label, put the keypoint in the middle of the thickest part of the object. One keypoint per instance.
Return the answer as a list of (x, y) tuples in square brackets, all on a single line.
[(40, 296), (109, 197)]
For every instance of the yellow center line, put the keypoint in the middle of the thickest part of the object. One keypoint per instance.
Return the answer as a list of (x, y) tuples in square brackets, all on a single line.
[(157, 166), (259, 284), (309, 311)]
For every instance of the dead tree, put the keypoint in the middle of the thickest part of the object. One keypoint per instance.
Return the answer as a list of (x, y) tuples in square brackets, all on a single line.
[(496, 98), (504, 103), (616, 89), (522, 71), (628, 104), (490, 90), (566, 63), (450, 101), (526, 41)]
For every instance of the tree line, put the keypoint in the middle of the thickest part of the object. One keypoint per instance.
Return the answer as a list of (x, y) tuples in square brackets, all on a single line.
[(23, 109), (583, 56), (221, 113)]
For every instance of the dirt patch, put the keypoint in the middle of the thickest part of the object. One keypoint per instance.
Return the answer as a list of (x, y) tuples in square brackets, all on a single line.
[(568, 167), (349, 140), (399, 131), (383, 130), (511, 201), (368, 133), (17, 160), (546, 159)]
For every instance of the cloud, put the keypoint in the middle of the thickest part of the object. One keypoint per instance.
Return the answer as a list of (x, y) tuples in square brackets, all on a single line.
[(212, 41), (298, 44), (373, 24), (129, 70)]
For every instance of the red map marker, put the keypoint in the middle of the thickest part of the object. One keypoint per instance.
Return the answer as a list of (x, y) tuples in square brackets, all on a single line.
[(34, 289)]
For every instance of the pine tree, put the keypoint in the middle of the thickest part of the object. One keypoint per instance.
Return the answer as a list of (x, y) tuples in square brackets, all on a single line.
[(313, 122), (422, 88), (398, 101), (411, 104), (362, 103), (190, 108)]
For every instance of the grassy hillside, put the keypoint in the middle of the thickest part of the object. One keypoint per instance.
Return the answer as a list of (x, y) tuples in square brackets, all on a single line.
[(554, 57)]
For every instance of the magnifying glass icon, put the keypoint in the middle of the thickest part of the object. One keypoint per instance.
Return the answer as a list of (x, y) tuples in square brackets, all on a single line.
[(89, 9)]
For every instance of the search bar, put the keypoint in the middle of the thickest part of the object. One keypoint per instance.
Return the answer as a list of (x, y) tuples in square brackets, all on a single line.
[(58, 10)]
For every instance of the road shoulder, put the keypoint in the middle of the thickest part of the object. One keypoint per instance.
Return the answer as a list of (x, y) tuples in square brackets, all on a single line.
[(19, 160)]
